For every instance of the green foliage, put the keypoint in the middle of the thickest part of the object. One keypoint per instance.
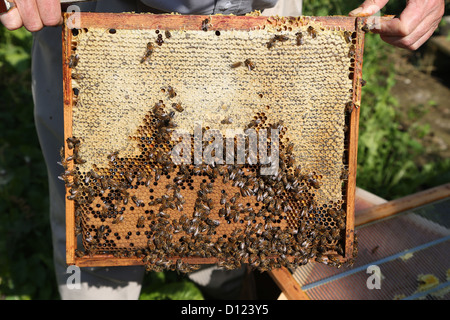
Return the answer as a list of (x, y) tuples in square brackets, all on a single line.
[(333, 7), (388, 152), (328, 7), (169, 286)]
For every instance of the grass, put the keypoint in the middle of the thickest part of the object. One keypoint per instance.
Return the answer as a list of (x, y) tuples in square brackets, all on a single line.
[(386, 165)]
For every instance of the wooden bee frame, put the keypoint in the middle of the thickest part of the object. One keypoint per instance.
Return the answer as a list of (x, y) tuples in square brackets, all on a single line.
[(213, 26)]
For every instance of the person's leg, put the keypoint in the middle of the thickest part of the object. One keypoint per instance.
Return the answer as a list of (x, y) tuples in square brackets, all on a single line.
[(219, 284)]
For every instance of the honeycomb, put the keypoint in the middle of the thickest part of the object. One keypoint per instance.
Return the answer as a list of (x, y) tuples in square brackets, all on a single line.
[(259, 119)]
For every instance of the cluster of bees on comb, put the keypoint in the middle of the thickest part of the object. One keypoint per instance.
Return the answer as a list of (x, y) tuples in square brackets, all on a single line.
[(144, 206), (234, 214)]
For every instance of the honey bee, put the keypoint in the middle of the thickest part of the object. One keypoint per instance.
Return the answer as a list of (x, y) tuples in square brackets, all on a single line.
[(322, 260), (61, 153), (223, 198), (148, 53), (101, 232), (143, 177), (73, 61), (77, 76), (72, 142), (315, 183), (227, 265), (352, 51), (79, 253), (63, 163), (125, 198), (178, 196), (234, 216), (205, 24), (277, 37), (171, 92), (213, 223), (137, 201), (78, 160), (290, 148), (348, 36), (355, 252), (299, 38), (118, 219), (235, 197), (70, 158), (140, 222), (92, 249), (249, 64), (167, 34), (281, 38), (178, 107), (349, 106), (113, 156), (270, 43), (312, 32), (162, 214), (129, 176)]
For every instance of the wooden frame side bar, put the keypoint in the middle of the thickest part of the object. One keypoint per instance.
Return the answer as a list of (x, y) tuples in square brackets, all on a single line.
[(353, 138), (288, 285), (71, 243), (409, 202)]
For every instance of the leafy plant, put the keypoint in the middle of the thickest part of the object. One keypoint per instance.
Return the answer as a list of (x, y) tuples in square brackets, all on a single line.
[(340, 7), (169, 286)]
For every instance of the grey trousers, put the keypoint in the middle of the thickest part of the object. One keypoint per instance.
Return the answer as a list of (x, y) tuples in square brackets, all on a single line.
[(101, 282)]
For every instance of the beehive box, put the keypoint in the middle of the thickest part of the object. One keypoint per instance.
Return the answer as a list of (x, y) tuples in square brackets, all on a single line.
[(224, 140)]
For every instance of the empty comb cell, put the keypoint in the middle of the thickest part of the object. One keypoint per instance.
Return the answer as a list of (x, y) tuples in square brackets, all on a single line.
[(220, 139)]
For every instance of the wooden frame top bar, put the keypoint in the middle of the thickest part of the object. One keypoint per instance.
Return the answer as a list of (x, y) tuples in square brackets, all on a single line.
[(194, 22)]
